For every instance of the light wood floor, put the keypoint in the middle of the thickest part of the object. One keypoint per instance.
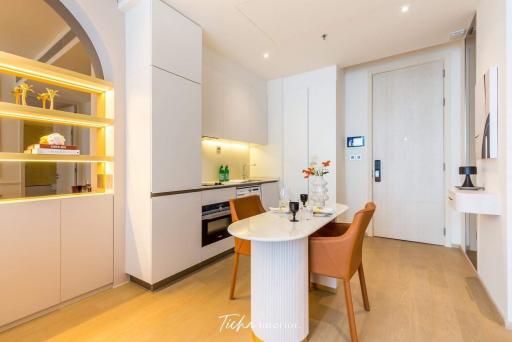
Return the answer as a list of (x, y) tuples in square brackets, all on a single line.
[(417, 293)]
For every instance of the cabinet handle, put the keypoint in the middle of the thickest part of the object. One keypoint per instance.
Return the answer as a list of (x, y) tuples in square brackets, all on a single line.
[(451, 199)]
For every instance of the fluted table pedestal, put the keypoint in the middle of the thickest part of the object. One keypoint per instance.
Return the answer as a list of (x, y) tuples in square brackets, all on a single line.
[(279, 273)]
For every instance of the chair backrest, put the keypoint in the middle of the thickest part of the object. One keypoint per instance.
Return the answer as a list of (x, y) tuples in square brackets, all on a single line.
[(355, 235), (242, 208)]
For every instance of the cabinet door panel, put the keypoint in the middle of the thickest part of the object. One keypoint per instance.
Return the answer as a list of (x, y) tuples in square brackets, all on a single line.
[(213, 103), (176, 133), (295, 138), (177, 42), (270, 195), (30, 258), (87, 244), (176, 234)]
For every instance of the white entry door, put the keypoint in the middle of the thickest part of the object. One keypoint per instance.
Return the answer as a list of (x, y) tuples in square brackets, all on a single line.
[(408, 186)]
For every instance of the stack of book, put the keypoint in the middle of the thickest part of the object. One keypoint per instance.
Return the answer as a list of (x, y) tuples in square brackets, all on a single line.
[(52, 149)]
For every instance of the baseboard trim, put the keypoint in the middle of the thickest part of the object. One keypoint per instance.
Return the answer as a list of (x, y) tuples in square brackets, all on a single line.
[(180, 275), (53, 308), (504, 322)]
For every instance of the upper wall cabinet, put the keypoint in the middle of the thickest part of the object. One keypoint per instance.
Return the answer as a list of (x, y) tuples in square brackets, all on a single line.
[(177, 42), (234, 101)]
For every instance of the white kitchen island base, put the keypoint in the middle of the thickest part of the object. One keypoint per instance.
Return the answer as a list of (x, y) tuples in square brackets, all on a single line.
[(279, 290)]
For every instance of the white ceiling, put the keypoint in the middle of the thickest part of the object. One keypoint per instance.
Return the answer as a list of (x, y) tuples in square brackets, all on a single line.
[(290, 30)]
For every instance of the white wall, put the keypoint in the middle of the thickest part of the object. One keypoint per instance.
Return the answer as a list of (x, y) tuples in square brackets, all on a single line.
[(357, 111), (104, 24), (494, 249)]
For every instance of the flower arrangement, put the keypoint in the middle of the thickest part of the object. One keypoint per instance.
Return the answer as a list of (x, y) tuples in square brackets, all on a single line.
[(313, 170)]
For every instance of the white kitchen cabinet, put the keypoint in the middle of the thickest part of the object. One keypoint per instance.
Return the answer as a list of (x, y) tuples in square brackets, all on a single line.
[(177, 42), (163, 139), (234, 101), (176, 133), (86, 245), (213, 103), (30, 258), (270, 195), (213, 196), (176, 234)]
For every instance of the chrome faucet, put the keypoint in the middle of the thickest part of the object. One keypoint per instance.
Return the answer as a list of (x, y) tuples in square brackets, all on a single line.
[(244, 170)]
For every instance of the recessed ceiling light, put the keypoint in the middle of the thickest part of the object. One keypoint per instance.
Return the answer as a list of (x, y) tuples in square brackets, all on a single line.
[(405, 8), (266, 55)]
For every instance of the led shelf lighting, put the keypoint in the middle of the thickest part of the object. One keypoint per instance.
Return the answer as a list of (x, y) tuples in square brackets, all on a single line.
[(46, 73), (10, 110)]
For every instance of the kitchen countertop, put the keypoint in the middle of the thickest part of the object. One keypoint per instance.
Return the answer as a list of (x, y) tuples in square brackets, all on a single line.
[(273, 227), (240, 184), (258, 181)]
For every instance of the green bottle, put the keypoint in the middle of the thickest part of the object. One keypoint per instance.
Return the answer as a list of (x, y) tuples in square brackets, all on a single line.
[(221, 174), (226, 174)]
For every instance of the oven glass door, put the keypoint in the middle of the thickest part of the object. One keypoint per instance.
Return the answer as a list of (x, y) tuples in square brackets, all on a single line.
[(215, 229)]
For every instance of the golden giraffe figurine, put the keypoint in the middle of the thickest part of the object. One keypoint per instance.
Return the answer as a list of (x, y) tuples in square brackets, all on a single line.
[(43, 97), (17, 94), (25, 89), (51, 95)]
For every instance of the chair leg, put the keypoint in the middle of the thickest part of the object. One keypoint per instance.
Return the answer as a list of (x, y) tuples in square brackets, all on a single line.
[(233, 277), (362, 281), (350, 311)]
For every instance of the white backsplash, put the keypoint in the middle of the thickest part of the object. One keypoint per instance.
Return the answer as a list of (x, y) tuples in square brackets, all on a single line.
[(235, 155)]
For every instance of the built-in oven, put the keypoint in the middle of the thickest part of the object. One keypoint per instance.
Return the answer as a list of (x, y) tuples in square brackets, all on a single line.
[(216, 219)]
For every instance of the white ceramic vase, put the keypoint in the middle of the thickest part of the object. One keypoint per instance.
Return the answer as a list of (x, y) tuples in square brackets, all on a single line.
[(318, 191)]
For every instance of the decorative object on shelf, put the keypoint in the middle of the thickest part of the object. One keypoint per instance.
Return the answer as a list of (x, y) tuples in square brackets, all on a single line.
[(468, 184), (51, 95), (17, 94), (53, 144), (318, 190), (43, 97), (53, 139), (489, 135), (25, 89)]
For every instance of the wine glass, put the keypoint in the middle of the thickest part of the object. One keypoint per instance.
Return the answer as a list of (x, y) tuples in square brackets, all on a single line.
[(294, 208), (304, 199)]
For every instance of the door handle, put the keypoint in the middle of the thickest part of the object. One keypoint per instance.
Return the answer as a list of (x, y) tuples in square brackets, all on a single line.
[(377, 171)]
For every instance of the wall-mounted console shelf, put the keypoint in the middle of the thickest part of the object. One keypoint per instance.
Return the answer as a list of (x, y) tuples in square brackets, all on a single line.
[(475, 202)]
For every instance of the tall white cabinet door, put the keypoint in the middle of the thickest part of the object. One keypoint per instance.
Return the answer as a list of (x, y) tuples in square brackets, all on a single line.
[(322, 130), (29, 258), (176, 133), (177, 42), (295, 139), (87, 244), (176, 234)]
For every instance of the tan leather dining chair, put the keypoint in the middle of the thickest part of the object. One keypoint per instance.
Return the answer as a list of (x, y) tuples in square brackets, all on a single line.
[(242, 208), (336, 251)]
